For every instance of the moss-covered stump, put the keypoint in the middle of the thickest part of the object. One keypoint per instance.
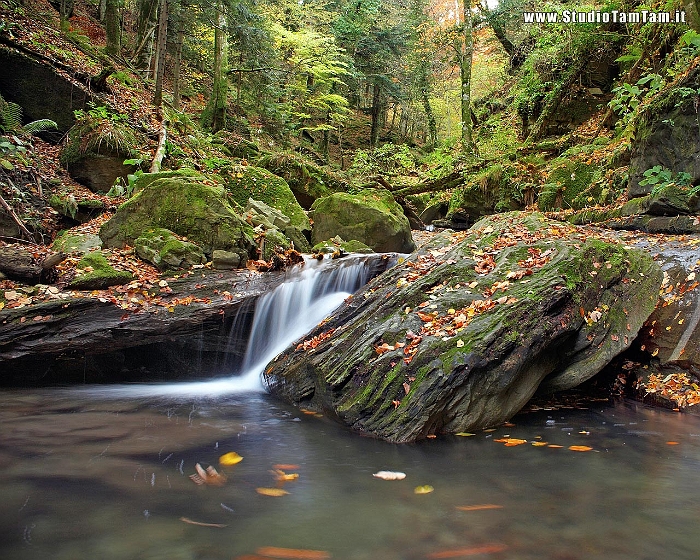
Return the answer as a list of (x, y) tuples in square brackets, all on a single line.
[(371, 216), (199, 211), (95, 273), (246, 181), (165, 250), (460, 335)]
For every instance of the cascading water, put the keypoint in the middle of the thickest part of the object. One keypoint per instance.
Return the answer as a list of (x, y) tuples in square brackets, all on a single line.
[(308, 296)]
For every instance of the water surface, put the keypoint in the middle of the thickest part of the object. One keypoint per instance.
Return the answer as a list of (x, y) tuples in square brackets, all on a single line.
[(104, 473)]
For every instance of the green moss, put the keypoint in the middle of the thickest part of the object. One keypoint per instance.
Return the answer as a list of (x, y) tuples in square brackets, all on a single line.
[(146, 179), (567, 180), (246, 181), (97, 273)]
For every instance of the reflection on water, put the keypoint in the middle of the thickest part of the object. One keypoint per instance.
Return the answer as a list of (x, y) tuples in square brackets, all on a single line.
[(84, 476)]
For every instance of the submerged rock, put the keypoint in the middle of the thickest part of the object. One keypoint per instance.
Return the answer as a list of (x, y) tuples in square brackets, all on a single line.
[(371, 216), (461, 335)]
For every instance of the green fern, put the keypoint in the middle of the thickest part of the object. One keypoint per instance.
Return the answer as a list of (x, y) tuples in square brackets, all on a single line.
[(10, 116), (40, 125)]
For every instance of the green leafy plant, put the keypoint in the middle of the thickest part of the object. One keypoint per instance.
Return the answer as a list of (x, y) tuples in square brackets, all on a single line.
[(660, 177), (121, 188)]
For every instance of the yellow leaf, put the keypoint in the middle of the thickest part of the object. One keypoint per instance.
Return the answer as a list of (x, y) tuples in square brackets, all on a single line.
[(2, 304), (539, 443), (464, 434), (271, 492), (478, 507), (580, 448), (228, 459), (427, 489)]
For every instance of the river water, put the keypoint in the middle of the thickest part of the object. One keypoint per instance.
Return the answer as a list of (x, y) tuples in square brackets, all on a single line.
[(85, 474), (103, 472)]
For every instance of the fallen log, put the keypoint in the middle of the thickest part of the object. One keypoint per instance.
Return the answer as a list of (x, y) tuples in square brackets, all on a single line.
[(22, 265)]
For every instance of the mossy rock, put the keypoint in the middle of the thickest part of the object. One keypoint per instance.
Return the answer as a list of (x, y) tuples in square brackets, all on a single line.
[(670, 200), (145, 179), (78, 209), (203, 213), (568, 179), (459, 359), (307, 180), (98, 274), (162, 248), (274, 239), (246, 181), (335, 244), (371, 216), (73, 242)]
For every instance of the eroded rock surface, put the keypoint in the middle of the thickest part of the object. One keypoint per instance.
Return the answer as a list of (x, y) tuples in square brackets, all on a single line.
[(460, 335)]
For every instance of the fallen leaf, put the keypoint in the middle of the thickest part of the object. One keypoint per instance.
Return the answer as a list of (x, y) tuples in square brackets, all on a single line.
[(456, 553), (200, 524), (228, 459), (276, 492), (511, 442), (580, 448), (672, 443), (478, 507), (427, 489), (207, 476), (464, 434), (390, 475), (275, 552), (282, 476), (554, 446), (285, 467)]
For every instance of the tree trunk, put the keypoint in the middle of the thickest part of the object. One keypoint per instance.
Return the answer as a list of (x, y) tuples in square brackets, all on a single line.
[(145, 31), (113, 28), (376, 110), (177, 63), (465, 68), (215, 113), (21, 265), (425, 97), (160, 53)]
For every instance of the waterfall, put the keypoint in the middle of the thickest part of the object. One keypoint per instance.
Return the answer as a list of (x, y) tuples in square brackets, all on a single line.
[(294, 308), (309, 294)]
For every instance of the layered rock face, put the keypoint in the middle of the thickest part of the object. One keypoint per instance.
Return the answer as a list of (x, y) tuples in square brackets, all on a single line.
[(461, 334)]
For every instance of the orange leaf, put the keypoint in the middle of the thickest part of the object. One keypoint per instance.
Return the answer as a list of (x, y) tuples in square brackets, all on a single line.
[(478, 507), (456, 553), (275, 552), (285, 467), (554, 446), (275, 492), (580, 448), (671, 443)]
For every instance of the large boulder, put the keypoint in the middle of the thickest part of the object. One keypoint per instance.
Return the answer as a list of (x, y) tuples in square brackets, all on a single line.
[(246, 182), (460, 335), (371, 216), (668, 135), (201, 212)]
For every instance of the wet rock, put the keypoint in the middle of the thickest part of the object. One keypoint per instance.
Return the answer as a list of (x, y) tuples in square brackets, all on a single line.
[(466, 330), (225, 260)]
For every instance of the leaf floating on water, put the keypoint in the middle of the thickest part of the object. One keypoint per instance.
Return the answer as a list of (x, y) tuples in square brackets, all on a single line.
[(276, 552), (464, 434), (209, 476), (390, 475), (281, 476), (229, 459), (539, 443), (554, 446), (478, 507), (200, 524), (672, 443), (275, 492), (285, 467), (427, 489), (580, 448), (459, 552), (511, 442)]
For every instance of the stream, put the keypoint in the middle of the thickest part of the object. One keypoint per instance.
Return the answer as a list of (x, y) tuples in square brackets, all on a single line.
[(104, 472)]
